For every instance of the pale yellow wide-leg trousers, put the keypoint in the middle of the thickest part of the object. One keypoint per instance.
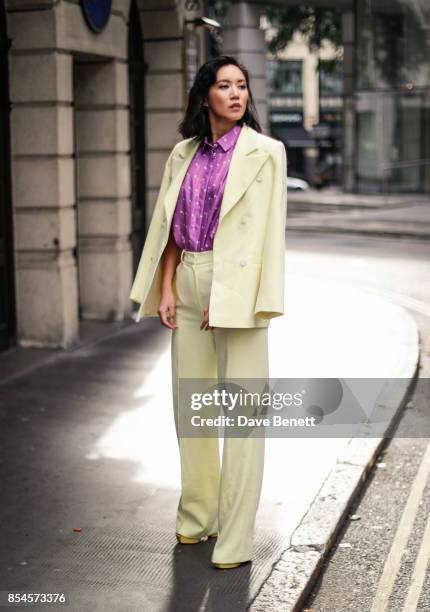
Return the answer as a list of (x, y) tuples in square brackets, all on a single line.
[(214, 499)]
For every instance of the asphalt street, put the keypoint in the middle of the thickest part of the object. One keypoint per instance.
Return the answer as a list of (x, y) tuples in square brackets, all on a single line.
[(353, 578)]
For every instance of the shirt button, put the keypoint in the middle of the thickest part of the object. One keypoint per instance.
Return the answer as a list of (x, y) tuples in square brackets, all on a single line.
[(259, 179), (243, 262), (243, 221)]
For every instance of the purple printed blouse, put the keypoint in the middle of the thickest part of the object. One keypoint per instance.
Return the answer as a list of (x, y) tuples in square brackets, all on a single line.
[(196, 215)]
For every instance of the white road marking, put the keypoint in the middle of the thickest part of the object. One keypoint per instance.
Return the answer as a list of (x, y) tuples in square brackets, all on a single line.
[(398, 546), (419, 572)]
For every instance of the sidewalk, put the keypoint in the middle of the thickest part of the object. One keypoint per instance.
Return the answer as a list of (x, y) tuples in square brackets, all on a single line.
[(334, 197), (332, 210), (87, 441)]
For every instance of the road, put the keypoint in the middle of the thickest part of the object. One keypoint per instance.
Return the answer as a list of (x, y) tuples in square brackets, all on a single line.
[(380, 559)]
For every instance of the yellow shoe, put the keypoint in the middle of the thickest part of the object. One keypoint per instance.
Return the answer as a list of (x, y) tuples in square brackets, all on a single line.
[(184, 540), (227, 565)]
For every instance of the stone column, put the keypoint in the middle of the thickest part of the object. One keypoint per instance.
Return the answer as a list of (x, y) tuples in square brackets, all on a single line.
[(164, 87), (349, 115), (243, 39), (103, 189), (42, 182), (311, 97)]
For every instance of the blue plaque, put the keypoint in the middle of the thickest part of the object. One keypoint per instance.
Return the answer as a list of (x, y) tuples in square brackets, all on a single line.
[(96, 13)]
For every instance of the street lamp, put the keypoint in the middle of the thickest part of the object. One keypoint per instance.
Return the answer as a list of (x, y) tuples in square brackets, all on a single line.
[(203, 22)]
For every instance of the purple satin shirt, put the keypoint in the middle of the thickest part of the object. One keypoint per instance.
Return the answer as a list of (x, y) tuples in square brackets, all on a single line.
[(196, 215)]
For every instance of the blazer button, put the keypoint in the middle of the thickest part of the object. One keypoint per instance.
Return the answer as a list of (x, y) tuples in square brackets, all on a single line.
[(243, 262), (259, 179)]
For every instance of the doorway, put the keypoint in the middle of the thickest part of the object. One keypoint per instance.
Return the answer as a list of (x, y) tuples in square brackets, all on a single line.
[(7, 288), (136, 70)]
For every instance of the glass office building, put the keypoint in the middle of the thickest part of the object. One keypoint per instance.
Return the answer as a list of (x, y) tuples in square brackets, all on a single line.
[(392, 96)]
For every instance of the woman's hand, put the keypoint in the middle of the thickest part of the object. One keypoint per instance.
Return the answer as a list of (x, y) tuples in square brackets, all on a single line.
[(205, 323), (166, 310), (170, 260)]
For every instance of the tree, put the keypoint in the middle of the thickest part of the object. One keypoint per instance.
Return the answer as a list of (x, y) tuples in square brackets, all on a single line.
[(315, 24)]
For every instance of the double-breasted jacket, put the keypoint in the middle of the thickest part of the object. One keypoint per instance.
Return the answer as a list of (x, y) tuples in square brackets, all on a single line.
[(249, 244)]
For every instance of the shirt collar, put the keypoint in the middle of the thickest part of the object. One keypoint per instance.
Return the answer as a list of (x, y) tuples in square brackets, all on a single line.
[(227, 140)]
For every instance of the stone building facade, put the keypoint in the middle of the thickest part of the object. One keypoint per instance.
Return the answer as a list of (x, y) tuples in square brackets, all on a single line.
[(91, 117)]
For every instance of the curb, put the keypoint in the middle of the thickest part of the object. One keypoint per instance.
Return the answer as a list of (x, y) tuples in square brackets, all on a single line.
[(343, 201), (363, 231), (294, 575)]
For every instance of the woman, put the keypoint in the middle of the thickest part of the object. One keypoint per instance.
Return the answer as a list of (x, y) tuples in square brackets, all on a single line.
[(212, 270)]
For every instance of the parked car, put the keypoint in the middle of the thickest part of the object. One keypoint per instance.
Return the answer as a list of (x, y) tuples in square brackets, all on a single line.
[(296, 184)]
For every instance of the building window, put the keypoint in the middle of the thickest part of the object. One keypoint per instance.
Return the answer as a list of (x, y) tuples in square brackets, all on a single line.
[(284, 77), (393, 44), (392, 98), (330, 78)]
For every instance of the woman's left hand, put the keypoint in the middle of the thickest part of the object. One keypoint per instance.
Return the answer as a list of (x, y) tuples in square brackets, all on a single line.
[(205, 323)]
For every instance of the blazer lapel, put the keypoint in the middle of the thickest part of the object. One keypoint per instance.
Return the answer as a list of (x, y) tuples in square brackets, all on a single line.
[(246, 161), (180, 162)]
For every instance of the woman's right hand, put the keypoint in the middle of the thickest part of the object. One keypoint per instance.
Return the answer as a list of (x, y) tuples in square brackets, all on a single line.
[(166, 310)]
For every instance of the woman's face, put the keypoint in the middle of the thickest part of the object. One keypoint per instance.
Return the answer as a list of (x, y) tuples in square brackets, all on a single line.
[(228, 96)]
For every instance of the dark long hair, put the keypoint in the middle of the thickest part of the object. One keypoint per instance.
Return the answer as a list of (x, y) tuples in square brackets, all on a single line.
[(196, 120)]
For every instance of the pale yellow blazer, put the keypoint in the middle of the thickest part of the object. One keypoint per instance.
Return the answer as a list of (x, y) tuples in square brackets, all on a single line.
[(249, 245)]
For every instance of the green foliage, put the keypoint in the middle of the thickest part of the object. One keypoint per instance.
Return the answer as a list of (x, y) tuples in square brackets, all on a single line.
[(218, 8), (315, 24)]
